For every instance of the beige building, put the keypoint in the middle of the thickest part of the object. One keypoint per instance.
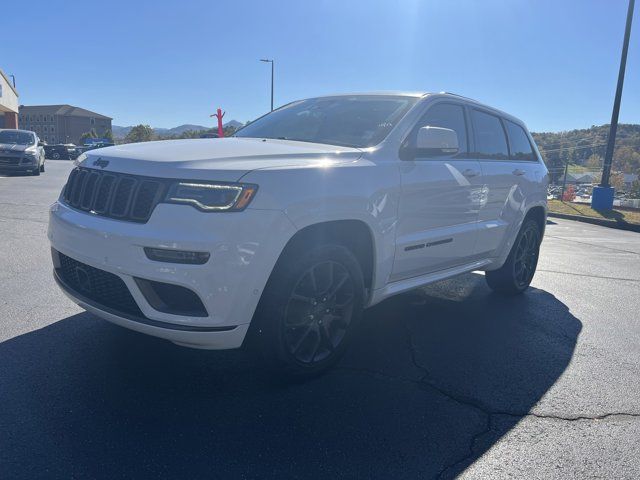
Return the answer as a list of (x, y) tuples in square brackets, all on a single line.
[(62, 123), (8, 103)]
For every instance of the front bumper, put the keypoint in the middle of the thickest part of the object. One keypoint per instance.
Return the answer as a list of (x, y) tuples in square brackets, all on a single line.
[(25, 167), (244, 247)]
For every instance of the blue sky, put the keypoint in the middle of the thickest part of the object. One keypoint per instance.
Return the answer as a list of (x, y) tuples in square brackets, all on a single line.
[(166, 62)]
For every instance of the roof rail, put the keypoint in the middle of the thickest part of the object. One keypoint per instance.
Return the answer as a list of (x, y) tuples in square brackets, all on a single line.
[(461, 96)]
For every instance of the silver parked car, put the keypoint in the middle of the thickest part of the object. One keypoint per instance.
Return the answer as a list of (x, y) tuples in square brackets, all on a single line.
[(21, 151)]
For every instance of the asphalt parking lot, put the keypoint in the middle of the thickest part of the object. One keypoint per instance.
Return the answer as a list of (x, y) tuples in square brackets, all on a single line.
[(446, 381)]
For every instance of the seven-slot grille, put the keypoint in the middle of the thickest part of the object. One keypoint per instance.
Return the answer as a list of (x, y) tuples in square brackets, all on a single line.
[(102, 287), (9, 160), (115, 195)]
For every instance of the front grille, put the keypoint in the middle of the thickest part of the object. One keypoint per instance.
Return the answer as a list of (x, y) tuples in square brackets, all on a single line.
[(114, 195), (102, 287), (7, 161)]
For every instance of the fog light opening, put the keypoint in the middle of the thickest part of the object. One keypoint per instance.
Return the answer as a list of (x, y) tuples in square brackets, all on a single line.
[(176, 256)]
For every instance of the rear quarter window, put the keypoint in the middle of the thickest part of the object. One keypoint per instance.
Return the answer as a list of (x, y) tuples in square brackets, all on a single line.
[(519, 143), (490, 139)]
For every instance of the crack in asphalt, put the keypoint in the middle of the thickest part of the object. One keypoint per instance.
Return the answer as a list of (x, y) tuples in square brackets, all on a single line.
[(425, 382), (593, 244), (487, 411), (589, 275)]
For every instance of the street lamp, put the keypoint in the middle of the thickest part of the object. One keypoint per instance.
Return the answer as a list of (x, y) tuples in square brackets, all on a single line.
[(266, 60), (602, 197)]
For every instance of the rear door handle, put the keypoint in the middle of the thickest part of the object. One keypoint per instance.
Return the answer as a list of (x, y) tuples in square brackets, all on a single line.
[(518, 172), (470, 173)]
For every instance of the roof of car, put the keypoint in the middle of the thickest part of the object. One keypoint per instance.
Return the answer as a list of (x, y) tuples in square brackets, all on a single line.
[(403, 93), (17, 130)]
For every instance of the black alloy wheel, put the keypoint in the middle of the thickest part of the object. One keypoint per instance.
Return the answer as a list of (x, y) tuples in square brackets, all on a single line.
[(309, 311), (319, 312), (526, 257)]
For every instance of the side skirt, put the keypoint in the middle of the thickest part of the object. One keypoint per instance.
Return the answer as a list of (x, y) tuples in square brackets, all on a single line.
[(406, 284)]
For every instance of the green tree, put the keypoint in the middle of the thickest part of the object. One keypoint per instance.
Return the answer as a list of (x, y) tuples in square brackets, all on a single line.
[(90, 134), (108, 134), (594, 162), (139, 133)]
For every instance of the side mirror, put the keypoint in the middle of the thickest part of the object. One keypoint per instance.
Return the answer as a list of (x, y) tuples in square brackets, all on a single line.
[(41, 143), (435, 141)]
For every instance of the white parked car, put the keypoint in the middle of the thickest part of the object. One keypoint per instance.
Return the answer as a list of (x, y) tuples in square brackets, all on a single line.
[(280, 236)]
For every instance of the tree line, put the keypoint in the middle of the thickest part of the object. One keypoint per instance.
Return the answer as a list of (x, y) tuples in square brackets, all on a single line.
[(586, 148)]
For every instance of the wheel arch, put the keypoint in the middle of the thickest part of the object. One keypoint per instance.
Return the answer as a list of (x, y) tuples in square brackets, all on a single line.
[(539, 214), (353, 234)]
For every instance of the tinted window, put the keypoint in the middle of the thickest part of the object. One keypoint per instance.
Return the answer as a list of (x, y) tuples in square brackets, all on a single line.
[(445, 115), (353, 121), (519, 142), (489, 136)]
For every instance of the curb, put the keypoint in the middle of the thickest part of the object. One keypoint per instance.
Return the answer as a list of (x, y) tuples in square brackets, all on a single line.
[(631, 227)]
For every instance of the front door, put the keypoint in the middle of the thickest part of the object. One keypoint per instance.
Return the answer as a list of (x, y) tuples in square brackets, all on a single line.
[(440, 199)]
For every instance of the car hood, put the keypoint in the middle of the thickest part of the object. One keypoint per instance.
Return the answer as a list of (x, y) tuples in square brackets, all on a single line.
[(11, 148), (224, 159)]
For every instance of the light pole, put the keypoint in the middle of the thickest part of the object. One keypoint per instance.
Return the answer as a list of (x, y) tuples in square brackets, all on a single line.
[(602, 197), (266, 60)]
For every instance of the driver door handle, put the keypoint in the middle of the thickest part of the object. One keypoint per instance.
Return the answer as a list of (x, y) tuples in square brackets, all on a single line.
[(518, 172), (469, 172)]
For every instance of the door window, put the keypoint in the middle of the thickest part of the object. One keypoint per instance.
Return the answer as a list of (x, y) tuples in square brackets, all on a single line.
[(445, 115), (491, 142), (519, 142)]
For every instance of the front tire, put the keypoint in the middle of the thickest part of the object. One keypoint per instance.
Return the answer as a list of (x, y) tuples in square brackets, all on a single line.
[(309, 310), (515, 275)]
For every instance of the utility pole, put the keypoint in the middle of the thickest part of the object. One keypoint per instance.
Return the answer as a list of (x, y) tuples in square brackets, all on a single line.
[(266, 60), (602, 198), (564, 181)]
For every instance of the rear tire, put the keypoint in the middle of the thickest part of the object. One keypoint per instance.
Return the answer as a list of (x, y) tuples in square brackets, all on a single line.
[(309, 310), (515, 276)]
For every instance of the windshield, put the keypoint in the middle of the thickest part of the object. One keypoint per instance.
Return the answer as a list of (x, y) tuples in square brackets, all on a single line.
[(15, 137), (351, 121)]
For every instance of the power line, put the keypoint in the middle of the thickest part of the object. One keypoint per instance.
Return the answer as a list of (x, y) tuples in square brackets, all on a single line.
[(594, 145)]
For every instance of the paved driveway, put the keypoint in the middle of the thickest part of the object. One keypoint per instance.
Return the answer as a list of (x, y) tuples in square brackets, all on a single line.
[(449, 380)]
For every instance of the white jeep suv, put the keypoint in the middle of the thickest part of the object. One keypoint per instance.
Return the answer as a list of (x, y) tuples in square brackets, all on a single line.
[(280, 236)]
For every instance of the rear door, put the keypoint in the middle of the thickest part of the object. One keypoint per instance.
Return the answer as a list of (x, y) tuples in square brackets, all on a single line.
[(505, 172), (439, 201)]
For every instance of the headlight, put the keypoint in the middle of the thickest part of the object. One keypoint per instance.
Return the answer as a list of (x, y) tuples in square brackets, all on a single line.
[(212, 197), (79, 159)]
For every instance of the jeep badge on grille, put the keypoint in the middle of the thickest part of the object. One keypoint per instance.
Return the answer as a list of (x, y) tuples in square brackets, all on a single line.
[(100, 162)]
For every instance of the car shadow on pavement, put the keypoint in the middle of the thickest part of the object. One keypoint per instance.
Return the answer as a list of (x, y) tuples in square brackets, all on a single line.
[(412, 398)]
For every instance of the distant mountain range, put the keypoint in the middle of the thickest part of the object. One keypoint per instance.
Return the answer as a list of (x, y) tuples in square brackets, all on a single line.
[(121, 132)]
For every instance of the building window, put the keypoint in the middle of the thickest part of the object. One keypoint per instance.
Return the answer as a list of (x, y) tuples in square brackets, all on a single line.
[(93, 121)]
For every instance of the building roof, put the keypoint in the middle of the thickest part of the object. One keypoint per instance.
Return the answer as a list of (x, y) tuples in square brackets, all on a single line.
[(64, 109), (9, 82)]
